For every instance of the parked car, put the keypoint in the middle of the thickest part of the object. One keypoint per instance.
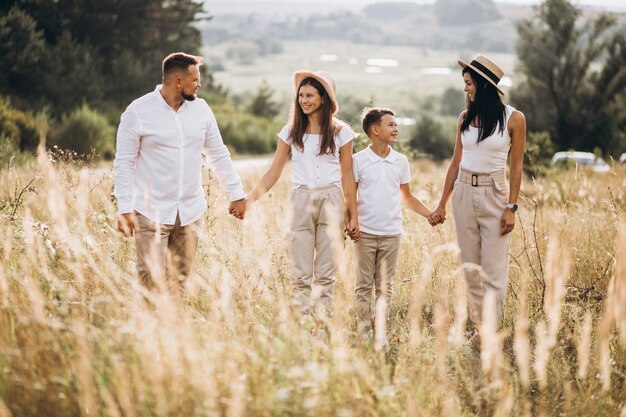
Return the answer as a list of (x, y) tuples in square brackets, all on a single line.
[(584, 160)]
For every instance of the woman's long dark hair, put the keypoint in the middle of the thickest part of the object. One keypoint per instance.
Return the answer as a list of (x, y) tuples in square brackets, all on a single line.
[(300, 121), (487, 108)]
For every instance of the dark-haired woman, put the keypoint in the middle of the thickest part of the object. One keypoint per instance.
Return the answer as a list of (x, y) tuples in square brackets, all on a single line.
[(321, 150), (483, 204)]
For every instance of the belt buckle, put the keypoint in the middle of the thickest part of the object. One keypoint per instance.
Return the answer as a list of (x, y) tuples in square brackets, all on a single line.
[(474, 180)]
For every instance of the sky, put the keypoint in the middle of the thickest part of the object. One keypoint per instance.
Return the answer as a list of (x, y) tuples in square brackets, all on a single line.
[(612, 5)]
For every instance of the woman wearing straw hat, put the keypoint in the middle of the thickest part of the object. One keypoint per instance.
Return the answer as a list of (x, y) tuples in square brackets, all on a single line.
[(321, 150), (483, 204)]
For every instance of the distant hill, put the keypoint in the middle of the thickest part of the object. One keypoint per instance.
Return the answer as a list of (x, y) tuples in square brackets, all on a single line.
[(448, 24), (460, 12)]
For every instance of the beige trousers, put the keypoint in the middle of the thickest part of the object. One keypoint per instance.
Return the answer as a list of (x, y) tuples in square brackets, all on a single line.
[(376, 258), (316, 235), (478, 202), (165, 252)]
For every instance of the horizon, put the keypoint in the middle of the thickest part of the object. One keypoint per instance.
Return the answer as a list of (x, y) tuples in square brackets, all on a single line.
[(607, 5)]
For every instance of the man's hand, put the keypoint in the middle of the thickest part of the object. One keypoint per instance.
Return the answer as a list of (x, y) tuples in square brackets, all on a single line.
[(127, 223), (238, 208)]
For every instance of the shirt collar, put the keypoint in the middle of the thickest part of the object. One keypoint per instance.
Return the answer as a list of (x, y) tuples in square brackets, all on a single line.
[(375, 158), (157, 91)]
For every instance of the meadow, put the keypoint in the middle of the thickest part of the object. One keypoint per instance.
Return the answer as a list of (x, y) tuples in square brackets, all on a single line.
[(80, 337)]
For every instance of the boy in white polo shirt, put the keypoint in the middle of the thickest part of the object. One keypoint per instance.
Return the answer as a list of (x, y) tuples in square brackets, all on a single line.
[(382, 176)]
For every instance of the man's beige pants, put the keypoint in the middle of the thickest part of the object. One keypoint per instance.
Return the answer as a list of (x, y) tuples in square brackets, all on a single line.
[(478, 202), (165, 252), (375, 258), (315, 236)]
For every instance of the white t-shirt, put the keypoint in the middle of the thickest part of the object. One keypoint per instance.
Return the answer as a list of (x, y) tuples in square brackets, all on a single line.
[(490, 154), (311, 168), (378, 192)]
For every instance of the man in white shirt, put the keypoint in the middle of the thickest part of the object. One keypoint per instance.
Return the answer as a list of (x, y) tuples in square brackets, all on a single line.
[(158, 172)]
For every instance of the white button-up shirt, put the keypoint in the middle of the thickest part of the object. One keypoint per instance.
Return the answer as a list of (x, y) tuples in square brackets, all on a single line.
[(378, 192), (158, 160), (311, 168)]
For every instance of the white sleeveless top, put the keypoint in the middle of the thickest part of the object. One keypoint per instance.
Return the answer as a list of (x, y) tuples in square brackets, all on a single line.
[(490, 154)]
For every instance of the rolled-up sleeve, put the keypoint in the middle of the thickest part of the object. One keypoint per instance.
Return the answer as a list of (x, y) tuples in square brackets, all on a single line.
[(126, 152), (218, 158)]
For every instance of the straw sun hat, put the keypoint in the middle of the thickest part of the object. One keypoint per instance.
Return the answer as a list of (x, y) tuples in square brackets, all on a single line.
[(487, 69), (327, 81)]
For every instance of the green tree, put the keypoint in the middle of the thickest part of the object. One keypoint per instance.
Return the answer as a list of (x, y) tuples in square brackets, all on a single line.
[(105, 52), (452, 102), (262, 104), (21, 48), (429, 136), (574, 77)]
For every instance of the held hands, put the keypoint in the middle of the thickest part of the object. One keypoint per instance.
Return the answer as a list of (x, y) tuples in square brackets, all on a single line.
[(438, 216), (352, 228), (127, 223), (238, 208)]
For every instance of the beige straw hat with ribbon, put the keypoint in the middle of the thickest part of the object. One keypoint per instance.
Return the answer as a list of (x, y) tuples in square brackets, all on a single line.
[(487, 69), (327, 81)]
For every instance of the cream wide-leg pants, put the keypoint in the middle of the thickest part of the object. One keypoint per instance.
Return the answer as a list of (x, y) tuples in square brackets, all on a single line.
[(478, 201), (316, 236)]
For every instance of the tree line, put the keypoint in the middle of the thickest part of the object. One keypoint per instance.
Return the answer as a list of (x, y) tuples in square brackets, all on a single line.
[(77, 64)]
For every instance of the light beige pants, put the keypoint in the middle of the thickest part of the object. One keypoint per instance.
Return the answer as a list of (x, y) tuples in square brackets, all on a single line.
[(478, 202), (376, 258), (165, 252), (316, 235)]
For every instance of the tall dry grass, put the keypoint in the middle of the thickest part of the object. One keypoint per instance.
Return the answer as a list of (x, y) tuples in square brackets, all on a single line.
[(80, 337)]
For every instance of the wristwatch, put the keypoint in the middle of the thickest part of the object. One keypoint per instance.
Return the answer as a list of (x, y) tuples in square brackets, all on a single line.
[(511, 207)]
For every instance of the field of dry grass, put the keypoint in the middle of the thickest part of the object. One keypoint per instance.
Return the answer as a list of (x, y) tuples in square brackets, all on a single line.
[(80, 337)]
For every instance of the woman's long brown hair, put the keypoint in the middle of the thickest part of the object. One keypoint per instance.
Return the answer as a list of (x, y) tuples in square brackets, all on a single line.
[(300, 121)]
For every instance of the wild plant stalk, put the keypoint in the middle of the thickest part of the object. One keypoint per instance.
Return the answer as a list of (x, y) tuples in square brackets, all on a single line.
[(80, 336)]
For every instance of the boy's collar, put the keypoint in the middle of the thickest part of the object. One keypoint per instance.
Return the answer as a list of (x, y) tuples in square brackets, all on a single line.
[(373, 157)]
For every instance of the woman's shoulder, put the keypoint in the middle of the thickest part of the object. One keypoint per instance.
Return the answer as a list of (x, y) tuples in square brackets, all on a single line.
[(284, 132), (462, 117)]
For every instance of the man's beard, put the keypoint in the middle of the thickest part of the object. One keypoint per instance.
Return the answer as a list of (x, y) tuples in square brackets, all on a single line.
[(189, 97)]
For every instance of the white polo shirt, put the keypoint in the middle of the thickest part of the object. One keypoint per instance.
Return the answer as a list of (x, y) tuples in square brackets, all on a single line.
[(158, 160), (378, 192), (311, 168)]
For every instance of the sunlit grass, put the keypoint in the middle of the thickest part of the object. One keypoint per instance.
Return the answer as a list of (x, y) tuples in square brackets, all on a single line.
[(80, 336)]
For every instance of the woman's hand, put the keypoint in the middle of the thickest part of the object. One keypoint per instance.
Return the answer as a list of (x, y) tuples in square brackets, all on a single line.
[(507, 222)]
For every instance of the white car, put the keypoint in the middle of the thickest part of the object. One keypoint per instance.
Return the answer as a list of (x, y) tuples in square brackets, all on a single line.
[(581, 159)]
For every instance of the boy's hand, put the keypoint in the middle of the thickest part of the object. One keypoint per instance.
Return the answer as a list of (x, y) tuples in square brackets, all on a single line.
[(352, 229), (355, 235)]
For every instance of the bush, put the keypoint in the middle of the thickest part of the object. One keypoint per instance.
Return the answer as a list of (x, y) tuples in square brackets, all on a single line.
[(452, 102), (246, 133), (538, 153), (85, 129), (433, 138), (18, 127)]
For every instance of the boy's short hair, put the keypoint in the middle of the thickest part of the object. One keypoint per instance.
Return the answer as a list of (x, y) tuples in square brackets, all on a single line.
[(372, 115), (179, 61)]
